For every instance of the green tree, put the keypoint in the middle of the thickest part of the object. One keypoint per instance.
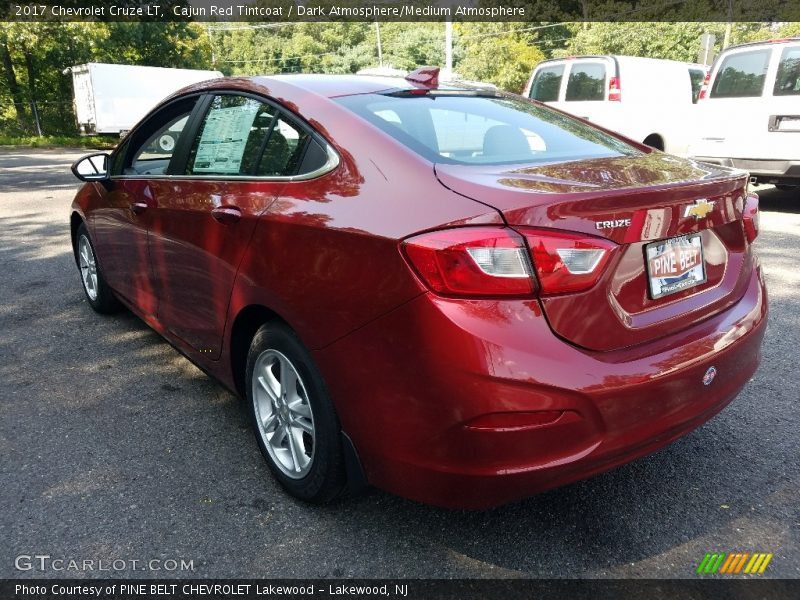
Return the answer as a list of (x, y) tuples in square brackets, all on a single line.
[(498, 53)]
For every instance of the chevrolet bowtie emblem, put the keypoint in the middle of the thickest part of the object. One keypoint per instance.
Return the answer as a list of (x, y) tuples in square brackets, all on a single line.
[(700, 209)]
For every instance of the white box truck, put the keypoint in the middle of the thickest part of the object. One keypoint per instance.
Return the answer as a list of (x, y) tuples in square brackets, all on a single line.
[(111, 99)]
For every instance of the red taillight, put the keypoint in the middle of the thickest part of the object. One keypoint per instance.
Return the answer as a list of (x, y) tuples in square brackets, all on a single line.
[(751, 217), (567, 262), (472, 261), (614, 91), (704, 87), (495, 261)]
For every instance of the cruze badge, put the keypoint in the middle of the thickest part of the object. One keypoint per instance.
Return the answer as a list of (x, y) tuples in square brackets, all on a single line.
[(612, 224), (700, 208)]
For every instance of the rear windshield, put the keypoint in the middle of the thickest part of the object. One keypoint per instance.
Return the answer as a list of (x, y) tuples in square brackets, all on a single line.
[(741, 75), (484, 130), (787, 83), (547, 83), (587, 81)]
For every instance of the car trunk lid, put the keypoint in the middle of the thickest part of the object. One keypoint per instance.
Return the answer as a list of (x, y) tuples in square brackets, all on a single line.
[(634, 202)]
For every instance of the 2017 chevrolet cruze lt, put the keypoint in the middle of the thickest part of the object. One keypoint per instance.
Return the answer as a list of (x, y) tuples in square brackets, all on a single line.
[(460, 296)]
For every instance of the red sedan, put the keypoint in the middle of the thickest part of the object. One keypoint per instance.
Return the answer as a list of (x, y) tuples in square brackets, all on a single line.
[(456, 295)]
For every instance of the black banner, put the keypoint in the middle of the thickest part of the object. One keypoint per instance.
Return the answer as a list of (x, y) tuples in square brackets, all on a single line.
[(455, 589), (399, 10)]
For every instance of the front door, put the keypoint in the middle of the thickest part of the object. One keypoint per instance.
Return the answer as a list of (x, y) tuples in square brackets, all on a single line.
[(121, 224)]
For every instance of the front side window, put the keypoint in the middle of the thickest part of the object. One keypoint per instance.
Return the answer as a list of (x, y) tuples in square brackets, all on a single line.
[(470, 129), (741, 75), (151, 148), (787, 82), (587, 82), (547, 83)]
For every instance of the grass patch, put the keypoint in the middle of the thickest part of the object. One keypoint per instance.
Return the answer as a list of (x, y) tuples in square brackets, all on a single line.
[(59, 141)]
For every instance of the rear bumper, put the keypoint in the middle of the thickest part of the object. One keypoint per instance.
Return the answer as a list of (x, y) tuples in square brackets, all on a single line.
[(414, 388), (765, 170)]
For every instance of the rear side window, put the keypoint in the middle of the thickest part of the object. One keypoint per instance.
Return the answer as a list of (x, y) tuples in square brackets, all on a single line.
[(285, 150), (587, 81), (741, 75), (469, 129), (242, 136), (787, 83), (547, 83), (231, 137)]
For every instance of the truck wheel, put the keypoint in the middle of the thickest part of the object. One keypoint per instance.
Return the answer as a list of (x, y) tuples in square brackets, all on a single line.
[(166, 142)]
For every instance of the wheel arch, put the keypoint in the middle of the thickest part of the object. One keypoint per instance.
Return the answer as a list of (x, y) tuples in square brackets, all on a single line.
[(244, 327), (75, 221)]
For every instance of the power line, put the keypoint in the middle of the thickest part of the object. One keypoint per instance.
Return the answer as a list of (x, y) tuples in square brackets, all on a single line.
[(282, 58)]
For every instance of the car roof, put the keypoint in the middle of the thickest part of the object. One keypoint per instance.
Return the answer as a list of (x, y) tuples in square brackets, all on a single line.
[(763, 43), (328, 86)]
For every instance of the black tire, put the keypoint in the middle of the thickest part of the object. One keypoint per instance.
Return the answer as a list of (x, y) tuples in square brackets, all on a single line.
[(654, 141), (104, 301), (326, 477)]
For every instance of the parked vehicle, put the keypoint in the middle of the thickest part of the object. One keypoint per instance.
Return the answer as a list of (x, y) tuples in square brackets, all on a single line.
[(111, 99), (456, 295), (749, 112), (646, 99)]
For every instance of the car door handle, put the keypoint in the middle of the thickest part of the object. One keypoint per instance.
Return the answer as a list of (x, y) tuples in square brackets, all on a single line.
[(139, 207), (227, 215)]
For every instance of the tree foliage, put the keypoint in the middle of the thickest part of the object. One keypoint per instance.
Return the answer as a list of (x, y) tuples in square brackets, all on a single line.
[(33, 56)]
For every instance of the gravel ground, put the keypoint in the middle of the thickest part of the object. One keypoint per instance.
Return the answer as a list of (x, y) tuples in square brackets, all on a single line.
[(116, 447)]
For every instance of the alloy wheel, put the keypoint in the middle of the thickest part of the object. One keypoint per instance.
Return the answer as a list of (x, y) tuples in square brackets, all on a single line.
[(284, 418), (88, 267)]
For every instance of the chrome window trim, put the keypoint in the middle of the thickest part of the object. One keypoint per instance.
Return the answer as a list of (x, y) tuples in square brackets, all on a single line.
[(333, 161)]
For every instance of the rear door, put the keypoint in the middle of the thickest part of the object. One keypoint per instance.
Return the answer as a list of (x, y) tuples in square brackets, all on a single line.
[(586, 88), (545, 85), (753, 106)]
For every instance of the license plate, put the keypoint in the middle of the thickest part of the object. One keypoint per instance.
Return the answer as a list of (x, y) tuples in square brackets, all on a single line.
[(674, 265)]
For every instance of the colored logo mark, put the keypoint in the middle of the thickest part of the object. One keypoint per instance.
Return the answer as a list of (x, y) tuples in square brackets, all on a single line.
[(734, 563), (700, 209)]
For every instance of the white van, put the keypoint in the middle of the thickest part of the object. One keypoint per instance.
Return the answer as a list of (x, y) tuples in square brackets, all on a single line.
[(749, 111), (647, 99)]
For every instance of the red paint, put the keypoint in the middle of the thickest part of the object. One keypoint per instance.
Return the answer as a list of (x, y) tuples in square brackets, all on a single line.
[(450, 400)]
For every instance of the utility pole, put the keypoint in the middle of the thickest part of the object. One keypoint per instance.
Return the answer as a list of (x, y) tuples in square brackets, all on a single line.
[(728, 26), (380, 49), (211, 44), (448, 46)]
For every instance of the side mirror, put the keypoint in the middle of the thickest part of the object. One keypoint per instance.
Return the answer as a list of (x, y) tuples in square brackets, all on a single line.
[(93, 167)]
